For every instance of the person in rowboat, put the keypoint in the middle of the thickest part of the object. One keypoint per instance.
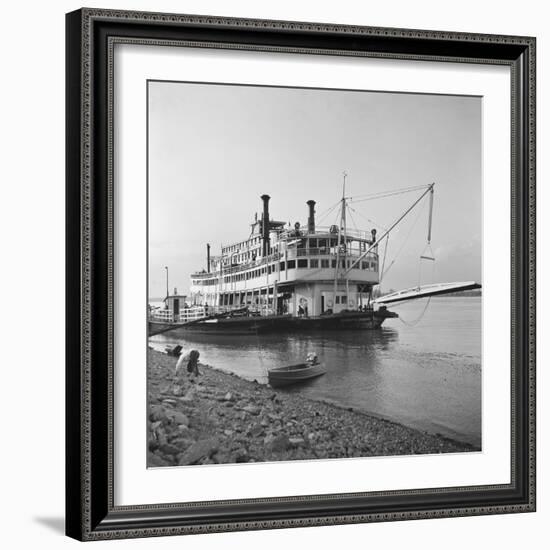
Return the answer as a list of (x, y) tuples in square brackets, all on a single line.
[(312, 359)]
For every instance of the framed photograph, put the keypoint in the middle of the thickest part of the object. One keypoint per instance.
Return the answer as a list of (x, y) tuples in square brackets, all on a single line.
[(300, 274)]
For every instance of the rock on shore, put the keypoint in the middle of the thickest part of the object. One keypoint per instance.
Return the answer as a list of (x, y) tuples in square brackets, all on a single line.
[(220, 418)]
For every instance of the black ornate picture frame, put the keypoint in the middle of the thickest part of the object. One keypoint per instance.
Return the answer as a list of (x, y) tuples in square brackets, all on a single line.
[(90, 509)]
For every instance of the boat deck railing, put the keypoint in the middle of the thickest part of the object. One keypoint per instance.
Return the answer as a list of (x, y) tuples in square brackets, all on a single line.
[(184, 315), (323, 232), (200, 312), (291, 254)]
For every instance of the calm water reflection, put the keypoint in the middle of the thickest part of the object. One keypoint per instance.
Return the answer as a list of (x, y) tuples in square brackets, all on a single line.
[(427, 376)]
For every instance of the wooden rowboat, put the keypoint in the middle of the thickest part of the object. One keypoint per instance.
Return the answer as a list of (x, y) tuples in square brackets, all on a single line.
[(285, 376)]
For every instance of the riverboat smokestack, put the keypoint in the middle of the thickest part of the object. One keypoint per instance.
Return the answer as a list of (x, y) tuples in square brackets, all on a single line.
[(265, 225), (311, 218), (207, 258)]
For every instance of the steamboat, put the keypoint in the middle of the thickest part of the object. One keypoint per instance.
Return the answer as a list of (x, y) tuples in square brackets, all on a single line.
[(291, 278)]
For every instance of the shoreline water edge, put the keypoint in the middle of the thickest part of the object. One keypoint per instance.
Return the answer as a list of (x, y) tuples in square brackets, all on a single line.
[(221, 418)]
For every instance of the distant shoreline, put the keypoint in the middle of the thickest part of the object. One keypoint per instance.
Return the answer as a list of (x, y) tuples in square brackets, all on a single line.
[(454, 295), (461, 294)]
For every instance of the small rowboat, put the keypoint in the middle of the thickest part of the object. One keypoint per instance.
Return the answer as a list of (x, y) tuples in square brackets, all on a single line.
[(285, 376)]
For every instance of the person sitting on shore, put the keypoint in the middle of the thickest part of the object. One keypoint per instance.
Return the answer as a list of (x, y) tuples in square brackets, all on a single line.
[(188, 364)]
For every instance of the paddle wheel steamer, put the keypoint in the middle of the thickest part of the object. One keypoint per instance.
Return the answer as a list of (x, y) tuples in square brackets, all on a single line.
[(284, 278)]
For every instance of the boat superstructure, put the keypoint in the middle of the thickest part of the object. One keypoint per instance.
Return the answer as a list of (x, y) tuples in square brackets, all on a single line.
[(281, 270)]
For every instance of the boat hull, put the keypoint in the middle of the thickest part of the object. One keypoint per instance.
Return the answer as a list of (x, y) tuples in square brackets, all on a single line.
[(278, 323), (288, 376)]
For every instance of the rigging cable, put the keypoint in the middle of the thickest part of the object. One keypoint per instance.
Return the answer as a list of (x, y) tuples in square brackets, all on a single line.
[(364, 198), (406, 240), (428, 246), (384, 258), (415, 322), (392, 191), (326, 212), (368, 219), (423, 256), (352, 219)]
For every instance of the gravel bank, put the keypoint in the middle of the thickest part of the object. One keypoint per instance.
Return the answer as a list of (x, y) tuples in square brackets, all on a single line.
[(220, 418)]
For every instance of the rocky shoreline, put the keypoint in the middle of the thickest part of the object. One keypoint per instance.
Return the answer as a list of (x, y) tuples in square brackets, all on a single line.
[(220, 418)]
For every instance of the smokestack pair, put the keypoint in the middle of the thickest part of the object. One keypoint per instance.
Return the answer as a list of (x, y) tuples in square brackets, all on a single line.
[(265, 221)]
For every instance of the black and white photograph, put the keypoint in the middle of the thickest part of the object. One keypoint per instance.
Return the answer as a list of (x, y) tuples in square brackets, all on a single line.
[(281, 264), (314, 273)]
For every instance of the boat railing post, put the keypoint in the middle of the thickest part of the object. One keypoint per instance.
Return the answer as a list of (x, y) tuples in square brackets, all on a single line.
[(286, 264)]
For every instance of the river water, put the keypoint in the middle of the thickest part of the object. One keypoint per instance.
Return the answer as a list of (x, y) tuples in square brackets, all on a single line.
[(426, 375)]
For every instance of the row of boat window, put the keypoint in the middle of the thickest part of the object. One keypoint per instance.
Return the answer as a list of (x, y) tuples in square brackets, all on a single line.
[(240, 246), (303, 263), (321, 246), (325, 263)]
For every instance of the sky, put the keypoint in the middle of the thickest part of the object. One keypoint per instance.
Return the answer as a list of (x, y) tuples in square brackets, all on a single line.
[(214, 149)]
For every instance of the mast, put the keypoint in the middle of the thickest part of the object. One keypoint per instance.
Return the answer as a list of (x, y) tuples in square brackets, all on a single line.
[(344, 208), (342, 222), (167, 288)]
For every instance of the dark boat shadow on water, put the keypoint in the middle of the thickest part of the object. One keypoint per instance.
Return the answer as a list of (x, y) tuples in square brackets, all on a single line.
[(349, 356), (381, 338)]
